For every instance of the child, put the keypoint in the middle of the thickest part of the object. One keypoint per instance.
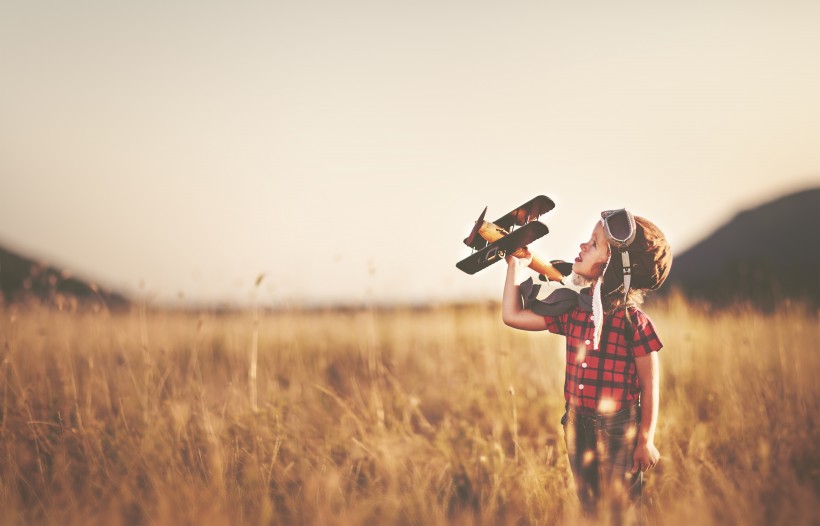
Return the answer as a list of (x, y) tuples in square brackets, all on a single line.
[(611, 382)]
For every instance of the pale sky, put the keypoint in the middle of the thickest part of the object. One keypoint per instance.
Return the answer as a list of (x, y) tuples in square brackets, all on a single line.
[(345, 148)]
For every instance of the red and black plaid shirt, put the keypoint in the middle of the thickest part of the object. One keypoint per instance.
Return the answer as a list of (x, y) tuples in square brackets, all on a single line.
[(605, 379)]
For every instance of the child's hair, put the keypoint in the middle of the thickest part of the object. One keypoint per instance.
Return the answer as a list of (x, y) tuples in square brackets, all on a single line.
[(651, 259)]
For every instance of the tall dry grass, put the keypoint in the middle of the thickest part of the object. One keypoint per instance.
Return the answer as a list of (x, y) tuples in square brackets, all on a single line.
[(439, 416)]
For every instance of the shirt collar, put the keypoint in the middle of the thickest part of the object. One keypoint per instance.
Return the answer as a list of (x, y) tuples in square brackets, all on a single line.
[(558, 302)]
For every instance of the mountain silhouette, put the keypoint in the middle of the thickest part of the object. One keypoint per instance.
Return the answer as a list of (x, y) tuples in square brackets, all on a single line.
[(23, 280), (763, 255)]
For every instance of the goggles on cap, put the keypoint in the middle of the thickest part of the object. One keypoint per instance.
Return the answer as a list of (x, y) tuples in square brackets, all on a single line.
[(619, 230)]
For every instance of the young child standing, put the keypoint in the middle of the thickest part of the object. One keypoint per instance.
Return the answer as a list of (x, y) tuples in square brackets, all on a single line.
[(612, 375)]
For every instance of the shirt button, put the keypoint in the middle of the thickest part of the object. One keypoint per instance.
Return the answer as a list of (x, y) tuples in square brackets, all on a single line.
[(587, 342), (584, 365), (581, 387)]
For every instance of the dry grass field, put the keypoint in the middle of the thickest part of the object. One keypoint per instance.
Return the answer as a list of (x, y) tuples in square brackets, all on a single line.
[(432, 416)]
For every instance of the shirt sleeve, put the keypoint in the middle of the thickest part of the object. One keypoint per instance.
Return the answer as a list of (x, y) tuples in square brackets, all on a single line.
[(644, 338), (556, 324)]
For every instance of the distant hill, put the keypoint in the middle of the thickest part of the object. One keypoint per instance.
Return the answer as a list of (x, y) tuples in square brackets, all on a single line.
[(23, 280), (763, 254)]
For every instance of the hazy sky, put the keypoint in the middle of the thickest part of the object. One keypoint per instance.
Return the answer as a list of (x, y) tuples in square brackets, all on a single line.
[(344, 148)]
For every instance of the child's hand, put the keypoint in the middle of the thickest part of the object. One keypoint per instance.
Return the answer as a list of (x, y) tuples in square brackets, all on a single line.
[(523, 261), (646, 456)]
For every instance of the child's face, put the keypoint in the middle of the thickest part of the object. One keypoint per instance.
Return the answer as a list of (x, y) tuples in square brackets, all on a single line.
[(593, 256)]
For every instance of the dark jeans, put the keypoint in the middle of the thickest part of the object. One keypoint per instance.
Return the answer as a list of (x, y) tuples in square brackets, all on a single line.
[(600, 449)]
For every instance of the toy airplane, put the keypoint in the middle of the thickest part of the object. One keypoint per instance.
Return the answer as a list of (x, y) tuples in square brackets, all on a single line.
[(493, 241)]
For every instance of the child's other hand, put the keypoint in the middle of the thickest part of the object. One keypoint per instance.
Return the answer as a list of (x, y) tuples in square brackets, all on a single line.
[(646, 456)]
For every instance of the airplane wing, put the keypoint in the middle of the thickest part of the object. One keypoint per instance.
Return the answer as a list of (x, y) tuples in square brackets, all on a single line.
[(522, 215), (525, 213), (506, 245)]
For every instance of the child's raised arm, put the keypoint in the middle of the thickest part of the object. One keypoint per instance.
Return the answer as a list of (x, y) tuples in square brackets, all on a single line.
[(512, 311)]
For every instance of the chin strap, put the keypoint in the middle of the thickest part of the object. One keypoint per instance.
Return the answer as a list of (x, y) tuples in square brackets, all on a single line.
[(598, 307), (627, 268)]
